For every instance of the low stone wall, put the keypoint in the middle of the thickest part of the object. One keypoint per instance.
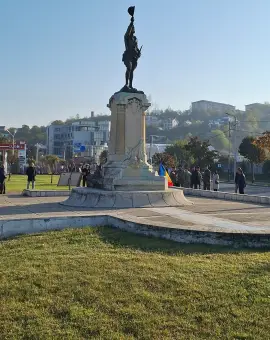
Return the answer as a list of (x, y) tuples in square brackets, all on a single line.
[(227, 196), (45, 193), (11, 228)]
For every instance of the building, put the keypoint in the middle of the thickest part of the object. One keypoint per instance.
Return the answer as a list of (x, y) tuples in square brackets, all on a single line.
[(169, 123), (263, 108), (87, 138), (205, 105)]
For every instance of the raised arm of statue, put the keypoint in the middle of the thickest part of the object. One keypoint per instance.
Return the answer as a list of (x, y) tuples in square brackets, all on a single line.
[(129, 29)]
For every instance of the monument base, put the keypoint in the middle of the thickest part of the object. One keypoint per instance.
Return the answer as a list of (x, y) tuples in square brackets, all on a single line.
[(136, 177), (102, 199)]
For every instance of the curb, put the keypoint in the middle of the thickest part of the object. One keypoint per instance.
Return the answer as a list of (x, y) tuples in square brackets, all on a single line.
[(227, 196)]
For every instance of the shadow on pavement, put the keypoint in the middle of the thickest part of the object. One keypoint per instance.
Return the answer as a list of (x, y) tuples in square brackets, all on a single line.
[(24, 209)]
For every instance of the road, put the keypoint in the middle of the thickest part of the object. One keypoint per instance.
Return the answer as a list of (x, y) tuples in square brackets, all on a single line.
[(250, 189)]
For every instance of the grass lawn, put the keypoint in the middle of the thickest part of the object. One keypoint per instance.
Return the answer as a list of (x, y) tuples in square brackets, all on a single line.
[(18, 183), (102, 283)]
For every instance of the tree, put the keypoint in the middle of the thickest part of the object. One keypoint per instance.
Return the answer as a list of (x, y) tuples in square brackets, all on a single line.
[(253, 152), (57, 122), (103, 157), (180, 153), (4, 139), (220, 141), (263, 141), (52, 160), (201, 152), (166, 159)]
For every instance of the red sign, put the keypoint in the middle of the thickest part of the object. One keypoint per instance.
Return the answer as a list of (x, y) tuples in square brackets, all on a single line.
[(9, 146)]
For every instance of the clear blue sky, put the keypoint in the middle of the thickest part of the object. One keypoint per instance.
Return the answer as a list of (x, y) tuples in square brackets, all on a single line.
[(63, 57)]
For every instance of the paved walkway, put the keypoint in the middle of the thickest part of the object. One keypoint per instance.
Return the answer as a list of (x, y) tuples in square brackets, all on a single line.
[(204, 214), (250, 189)]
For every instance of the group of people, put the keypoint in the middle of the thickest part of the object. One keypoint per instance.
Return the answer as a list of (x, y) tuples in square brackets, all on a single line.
[(180, 177), (198, 179), (31, 177), (194, 178)]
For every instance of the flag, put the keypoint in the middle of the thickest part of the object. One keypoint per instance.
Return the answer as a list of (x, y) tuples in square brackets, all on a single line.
[(170, 183), (162, 172)]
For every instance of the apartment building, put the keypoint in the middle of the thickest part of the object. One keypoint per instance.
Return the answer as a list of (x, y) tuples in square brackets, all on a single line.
[(205, 105), (87, 138)]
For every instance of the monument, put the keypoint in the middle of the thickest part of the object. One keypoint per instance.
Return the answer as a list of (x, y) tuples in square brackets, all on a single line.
[(127, 180)]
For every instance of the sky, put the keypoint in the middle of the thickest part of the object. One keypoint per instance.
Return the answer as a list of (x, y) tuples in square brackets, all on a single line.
[(59, 58)]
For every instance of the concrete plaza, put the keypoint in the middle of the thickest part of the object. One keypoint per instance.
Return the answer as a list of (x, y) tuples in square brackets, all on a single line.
[(204, 214)]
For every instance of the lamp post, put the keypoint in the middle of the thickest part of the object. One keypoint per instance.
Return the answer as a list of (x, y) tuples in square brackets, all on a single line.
[(37, 151), (234, 141), (13, 140)]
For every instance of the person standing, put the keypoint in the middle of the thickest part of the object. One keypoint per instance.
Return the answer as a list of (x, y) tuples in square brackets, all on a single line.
[(187, 176), (206, 179), (180, 177), (196, 178), (31, 176), (85, 173), (2, 180), (240, 181), (173, 175), (216, 181)]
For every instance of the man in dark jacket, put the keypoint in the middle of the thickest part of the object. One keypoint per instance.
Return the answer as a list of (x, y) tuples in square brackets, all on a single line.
[(2, 180), (196, 178), (240, 181), (85, 173), (180, 176), (31, 176), (206, 179)]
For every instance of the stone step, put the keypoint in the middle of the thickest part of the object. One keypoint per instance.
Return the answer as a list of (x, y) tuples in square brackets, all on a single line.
[(45, 193)]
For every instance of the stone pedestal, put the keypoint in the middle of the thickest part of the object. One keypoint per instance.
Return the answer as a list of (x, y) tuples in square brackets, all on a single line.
[(127, 167)]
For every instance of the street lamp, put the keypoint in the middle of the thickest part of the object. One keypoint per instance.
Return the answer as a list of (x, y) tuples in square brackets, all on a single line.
[(234, 142), (13, 139)]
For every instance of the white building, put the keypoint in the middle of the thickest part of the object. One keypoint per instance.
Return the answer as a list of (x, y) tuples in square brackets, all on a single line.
[(87, 138), (205, 105), (169, 123)]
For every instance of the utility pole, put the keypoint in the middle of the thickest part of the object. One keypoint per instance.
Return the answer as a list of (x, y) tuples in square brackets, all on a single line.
[(229, 156), (150, 153), (37, 151), (234, 141), (13, 140), (64, 152), (235, 150)]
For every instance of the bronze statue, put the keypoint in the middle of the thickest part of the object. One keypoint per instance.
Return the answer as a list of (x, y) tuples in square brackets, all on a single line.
[(131, 54)]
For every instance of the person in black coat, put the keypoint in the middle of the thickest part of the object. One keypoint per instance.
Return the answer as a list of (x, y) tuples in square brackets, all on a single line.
[(85, 173), (31, 176), (2, 180), (196, 178), (240, 181)]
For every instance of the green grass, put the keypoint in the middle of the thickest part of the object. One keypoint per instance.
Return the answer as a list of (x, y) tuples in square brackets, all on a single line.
[(18, 183), (102, 283)]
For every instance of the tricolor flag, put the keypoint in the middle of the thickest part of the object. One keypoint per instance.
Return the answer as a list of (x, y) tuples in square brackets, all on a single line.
[(162, 172)]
